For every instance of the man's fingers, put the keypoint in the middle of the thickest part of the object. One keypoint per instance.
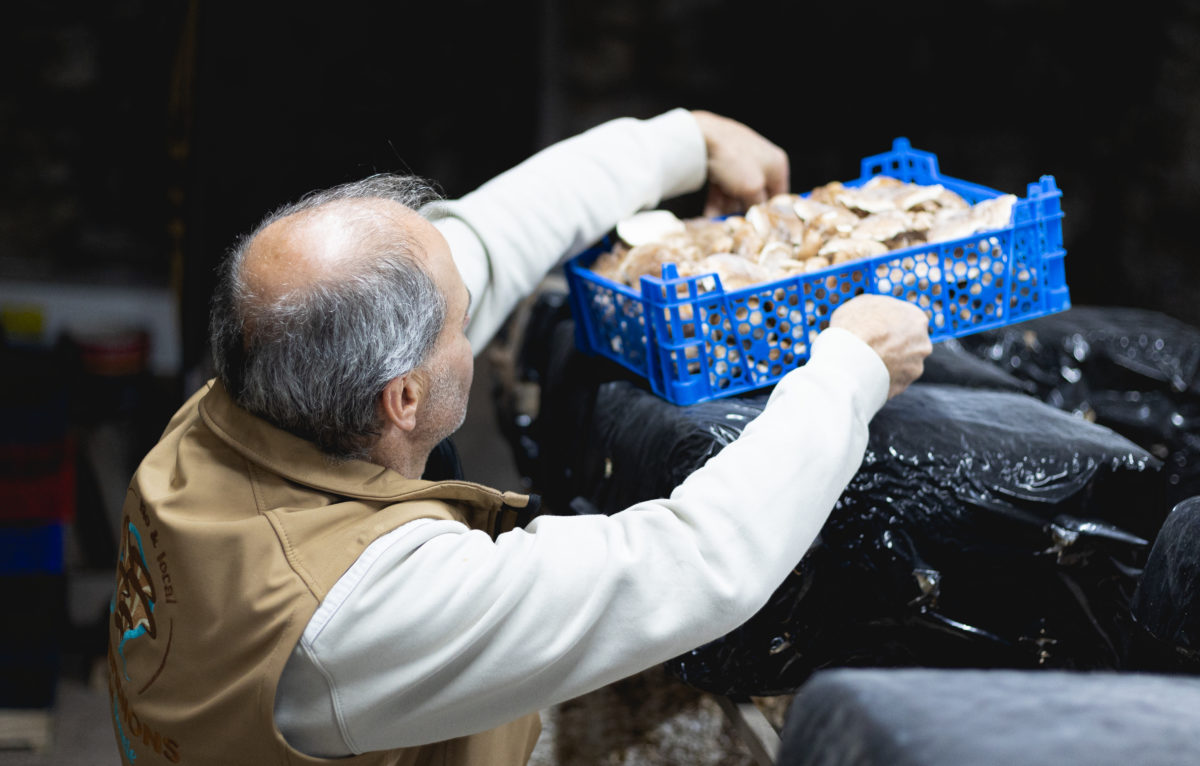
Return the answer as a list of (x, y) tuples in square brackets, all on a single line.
[(744, 166), (778, 180)]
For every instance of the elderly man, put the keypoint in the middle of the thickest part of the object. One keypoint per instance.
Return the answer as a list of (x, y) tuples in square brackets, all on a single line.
[(290, 589)]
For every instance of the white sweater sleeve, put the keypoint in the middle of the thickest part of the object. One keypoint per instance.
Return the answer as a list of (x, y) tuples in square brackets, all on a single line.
[(508, 233), (439, 631)]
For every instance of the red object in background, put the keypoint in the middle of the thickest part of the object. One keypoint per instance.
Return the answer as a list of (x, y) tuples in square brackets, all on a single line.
[(37, 481)]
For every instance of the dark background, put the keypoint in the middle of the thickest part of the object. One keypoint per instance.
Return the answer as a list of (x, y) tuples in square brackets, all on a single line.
[(140, 136)]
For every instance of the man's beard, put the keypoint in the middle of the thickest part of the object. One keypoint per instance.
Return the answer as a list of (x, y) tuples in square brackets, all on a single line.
[(445, 407)]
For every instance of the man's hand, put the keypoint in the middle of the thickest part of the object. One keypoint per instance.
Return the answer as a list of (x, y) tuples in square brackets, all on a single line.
[(743, 167), (897, 330)]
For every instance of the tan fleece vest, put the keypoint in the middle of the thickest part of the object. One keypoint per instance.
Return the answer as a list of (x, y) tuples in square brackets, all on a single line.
[(233, 533)]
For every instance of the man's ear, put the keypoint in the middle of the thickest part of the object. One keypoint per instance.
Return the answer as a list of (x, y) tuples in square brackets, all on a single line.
[(400, 400)]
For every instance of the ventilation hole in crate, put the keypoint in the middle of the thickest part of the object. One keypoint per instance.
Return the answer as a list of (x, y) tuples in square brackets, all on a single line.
[(752, 301), (736, 373), (884, 285), (789, 357), (773, 355), (758, 333), (734, 355), (771, 322), (756, 317), (785, 343), (793, 299), (719, 352), (768, 306), (740, 313), (761, 367)]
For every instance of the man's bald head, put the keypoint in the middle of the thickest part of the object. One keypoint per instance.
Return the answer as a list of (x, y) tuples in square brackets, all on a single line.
[(321, 305), (296, 252)]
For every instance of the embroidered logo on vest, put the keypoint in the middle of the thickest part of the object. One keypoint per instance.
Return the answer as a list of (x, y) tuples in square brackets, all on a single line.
[(143, 586)]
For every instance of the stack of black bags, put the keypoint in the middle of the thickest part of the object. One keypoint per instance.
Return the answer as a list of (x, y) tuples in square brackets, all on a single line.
[(1013, 509)]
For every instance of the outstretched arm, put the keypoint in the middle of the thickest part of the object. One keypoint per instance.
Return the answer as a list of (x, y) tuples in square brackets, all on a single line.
[(508, 233), (437, 631)]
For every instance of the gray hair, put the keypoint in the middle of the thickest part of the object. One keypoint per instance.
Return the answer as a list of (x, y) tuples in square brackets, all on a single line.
[(314, 361)]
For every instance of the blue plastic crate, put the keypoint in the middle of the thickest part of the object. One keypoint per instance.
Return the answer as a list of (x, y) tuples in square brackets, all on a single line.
[(694, 345)]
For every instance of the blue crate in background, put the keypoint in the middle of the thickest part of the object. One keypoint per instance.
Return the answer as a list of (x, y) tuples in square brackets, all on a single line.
[(31, 548), (695, 344)]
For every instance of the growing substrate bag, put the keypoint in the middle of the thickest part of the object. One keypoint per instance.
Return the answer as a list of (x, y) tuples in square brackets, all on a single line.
[(1133, 370), (1166, 604)]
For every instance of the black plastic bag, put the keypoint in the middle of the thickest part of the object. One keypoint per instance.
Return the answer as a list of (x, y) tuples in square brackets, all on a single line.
[(1166, 605), (984, 529), (1133, 370)]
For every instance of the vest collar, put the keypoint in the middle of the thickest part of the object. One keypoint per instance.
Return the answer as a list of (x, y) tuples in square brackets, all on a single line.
[(298, 460)]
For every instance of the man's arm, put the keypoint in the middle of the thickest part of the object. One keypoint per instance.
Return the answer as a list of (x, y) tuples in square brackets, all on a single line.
[(508, 233), (438, 631)]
